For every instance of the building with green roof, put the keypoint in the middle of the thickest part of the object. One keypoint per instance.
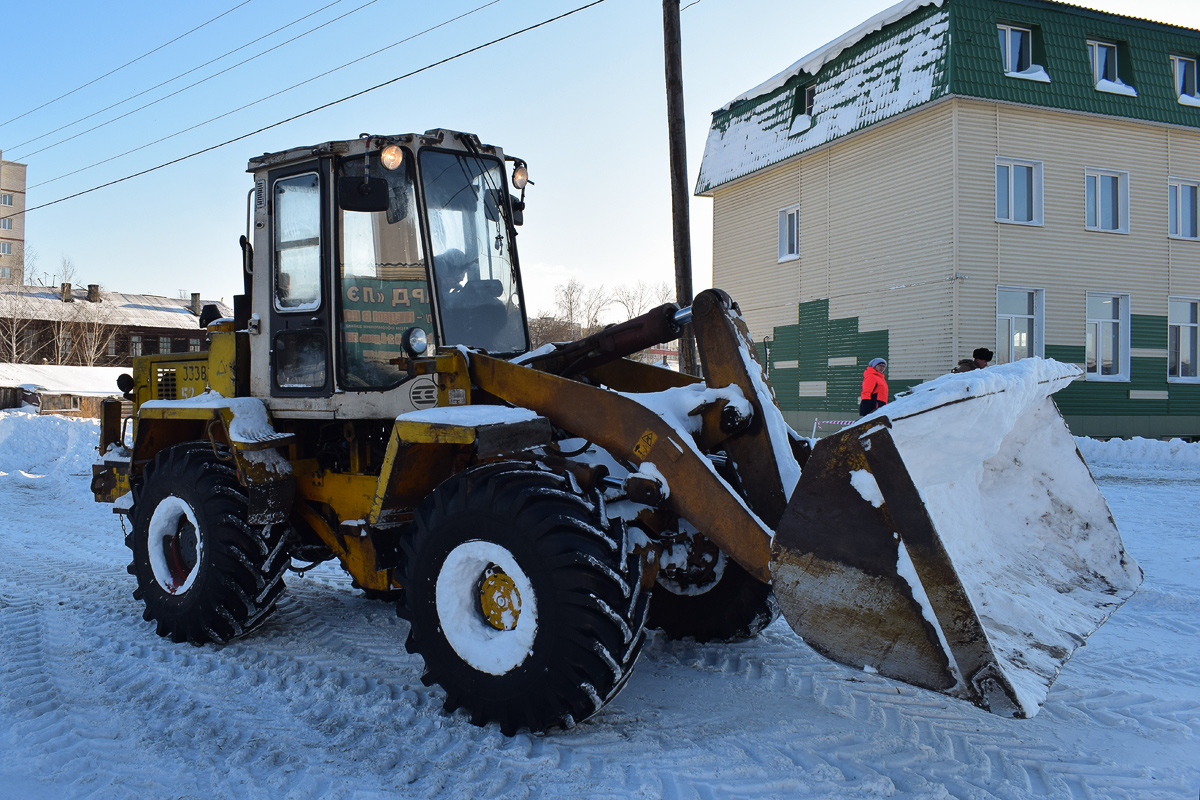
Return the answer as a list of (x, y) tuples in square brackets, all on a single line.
[(1018, 175)]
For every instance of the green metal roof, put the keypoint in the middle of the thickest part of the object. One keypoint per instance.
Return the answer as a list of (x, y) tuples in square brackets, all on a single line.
[(1144, 55), (948, 47)]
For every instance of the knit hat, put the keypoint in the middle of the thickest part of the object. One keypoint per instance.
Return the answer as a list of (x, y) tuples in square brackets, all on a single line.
[(877, 362), (982, 352)]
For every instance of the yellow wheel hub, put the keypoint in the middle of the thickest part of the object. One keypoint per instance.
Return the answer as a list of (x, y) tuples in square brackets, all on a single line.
[(499, 599)]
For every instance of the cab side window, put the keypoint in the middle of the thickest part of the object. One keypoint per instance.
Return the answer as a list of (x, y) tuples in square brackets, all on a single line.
[(298, 243)]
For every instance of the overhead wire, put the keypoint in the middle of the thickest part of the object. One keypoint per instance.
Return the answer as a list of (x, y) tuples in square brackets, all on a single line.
[(127, 63), (321, 107), (189, 72), (267, 97)]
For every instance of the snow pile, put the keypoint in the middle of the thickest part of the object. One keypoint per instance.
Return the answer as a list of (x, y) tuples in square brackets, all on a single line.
[(249, 425), (37, 447), (469, 416), (1022, 522), (99, 381), (1139, 452)]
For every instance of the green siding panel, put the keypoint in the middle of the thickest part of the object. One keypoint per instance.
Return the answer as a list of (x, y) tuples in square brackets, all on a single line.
[(1185, 398), (811, 343), (1149, 331)]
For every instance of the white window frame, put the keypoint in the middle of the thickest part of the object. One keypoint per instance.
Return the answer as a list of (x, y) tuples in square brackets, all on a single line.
[(789, 239), (194, 344), (1094, 173), (1181, 326), (135, 345), (1006, 55), (1094, 46), (161, 340), (1182, 94), (5, 248), (1039, 321), (5, 223), (6, 199), (1122, 321), (1175, 193), (5, 273), (1036, 202)]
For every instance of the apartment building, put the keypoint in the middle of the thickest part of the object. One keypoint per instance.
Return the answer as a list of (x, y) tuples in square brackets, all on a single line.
[(1016, 174), (12, 221)]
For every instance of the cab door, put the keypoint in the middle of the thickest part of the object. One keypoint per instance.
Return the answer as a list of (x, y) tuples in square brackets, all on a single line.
[(300, 303)]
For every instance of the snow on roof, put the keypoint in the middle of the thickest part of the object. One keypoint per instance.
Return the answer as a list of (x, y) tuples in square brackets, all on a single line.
[(99, 381), (818, 58), (114, 308), (896, 74)]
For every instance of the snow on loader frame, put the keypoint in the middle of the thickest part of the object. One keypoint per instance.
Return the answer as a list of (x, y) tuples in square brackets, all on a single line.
[(374, 400)]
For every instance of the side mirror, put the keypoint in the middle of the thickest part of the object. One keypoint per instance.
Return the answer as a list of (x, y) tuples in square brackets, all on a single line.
[(362, 194), (518, 209)]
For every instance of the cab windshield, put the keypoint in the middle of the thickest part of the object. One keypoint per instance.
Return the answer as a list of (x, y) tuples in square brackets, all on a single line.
[(381, 271), (478, 299)]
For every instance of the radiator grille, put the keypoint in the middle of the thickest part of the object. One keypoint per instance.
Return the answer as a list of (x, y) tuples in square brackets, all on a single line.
[(166, 384)]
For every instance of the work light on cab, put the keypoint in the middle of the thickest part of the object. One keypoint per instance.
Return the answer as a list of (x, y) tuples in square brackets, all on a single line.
[(391, 156)]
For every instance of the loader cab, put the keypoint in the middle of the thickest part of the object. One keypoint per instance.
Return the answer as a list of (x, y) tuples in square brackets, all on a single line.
[(357, 243)]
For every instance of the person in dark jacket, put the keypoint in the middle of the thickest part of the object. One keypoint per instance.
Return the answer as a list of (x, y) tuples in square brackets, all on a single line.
[(978, 360), (874, 387)]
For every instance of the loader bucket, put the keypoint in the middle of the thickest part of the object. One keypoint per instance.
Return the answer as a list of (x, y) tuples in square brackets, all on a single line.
[(954, 540)]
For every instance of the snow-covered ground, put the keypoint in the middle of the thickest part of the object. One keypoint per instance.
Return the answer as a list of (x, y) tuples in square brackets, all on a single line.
[(324, 702)]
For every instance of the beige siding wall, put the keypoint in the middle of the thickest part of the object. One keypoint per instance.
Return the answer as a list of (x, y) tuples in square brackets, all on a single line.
[(888, 258), (1061, 256), (1183, 150), (746, 248), (876, 237)]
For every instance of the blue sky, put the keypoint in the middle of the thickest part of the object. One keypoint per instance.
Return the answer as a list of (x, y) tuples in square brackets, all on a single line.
[(582, 100)]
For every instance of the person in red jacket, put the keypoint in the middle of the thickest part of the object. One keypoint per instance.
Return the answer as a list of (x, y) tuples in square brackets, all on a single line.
[(874, 388)]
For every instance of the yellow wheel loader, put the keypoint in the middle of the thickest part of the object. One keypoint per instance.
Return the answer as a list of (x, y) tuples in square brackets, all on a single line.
[(374, 399)]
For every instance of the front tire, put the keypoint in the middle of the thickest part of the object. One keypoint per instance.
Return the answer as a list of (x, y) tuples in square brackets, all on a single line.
[(522, 599), (203, 573)]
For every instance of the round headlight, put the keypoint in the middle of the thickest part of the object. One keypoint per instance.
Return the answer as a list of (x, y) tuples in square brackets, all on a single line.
[(392, 156), (415, 342), (520, 176)]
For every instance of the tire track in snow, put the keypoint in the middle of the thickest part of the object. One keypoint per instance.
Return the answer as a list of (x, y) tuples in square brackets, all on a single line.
[(324, 701)]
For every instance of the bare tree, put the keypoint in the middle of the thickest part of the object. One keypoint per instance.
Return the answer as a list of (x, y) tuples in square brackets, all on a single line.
[(18, 328), (640, 297), (568, 301), (66, 272), (92, 330), (547, 329), (591, 311)]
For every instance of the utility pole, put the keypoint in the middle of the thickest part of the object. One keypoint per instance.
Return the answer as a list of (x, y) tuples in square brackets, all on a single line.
[(680, 197)]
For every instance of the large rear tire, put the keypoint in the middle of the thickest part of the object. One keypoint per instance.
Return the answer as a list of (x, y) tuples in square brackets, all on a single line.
[(203, 572), (522, 598)]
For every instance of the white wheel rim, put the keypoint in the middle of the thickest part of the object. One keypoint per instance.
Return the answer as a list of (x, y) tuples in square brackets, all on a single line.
[(164, 523), (691, 590), (456, 598)]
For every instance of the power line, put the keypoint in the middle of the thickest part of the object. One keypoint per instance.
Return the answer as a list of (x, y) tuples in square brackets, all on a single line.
[(263, 99), (76, 136), (126, 64), (322, 107), (193, 69)]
